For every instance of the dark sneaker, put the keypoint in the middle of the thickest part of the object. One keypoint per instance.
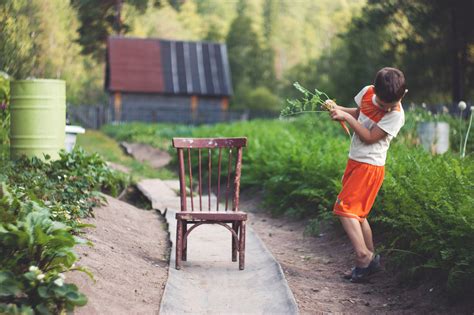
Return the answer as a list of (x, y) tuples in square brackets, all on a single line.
[(372, 268), (348, 276), (374, 265), (360, 274)]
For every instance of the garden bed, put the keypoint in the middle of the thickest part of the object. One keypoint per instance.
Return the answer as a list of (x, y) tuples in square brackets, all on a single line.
[(423, 213)]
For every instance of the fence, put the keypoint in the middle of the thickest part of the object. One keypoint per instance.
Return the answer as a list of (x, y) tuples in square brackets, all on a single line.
[(90, 116), (94, 116)]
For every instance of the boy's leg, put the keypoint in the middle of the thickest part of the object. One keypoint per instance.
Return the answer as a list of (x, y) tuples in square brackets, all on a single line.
[(367, 232), (353, 230)]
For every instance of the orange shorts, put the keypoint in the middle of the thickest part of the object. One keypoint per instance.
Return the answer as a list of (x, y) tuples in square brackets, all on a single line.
[(360, 184)]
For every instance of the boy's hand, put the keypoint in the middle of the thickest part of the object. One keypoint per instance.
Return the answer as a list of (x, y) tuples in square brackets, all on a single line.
[(337, 114), (330, 104)]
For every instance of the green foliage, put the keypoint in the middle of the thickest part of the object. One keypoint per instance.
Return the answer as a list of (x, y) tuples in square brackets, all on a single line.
[(41, 204), (260, 99), (35, 251), (424, 209), (415, 36), (309, 103), (247, 60), (4, 112), (67, 186), (36, 43), (97, 142), (16, 44), (98, 21)]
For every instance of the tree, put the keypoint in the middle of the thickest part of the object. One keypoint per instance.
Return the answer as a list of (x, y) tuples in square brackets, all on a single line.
[(444, 28), (190, 20), (100, 19), (431, 41), (251, 65), (17, 56)]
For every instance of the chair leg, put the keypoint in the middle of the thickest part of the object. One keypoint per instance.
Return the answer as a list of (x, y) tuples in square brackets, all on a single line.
[(185, 242), (179, 243), (235, 227), (242, 246)]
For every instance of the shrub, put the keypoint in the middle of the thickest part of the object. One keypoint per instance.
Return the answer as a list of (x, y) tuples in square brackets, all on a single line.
[(41, 204), (69, 186), (262, 99), (35, 251)]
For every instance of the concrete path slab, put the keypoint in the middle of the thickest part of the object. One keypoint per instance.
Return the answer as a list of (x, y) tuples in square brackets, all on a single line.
[(209, 282)]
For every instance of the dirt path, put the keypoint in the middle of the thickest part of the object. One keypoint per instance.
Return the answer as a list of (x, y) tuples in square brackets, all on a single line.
[(129, 260), (141, 152)]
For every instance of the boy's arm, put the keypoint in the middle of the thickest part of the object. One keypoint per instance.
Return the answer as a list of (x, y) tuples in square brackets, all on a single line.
[(353, 111), (366, 135)]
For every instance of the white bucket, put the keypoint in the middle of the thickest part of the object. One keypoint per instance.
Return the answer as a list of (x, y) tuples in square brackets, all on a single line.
[(434, 136), (71, 133)]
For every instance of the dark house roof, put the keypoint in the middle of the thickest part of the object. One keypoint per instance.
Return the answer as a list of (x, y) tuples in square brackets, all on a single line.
[(167, 67)]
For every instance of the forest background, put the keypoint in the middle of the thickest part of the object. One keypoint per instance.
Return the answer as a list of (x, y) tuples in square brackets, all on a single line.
[(334, 45)]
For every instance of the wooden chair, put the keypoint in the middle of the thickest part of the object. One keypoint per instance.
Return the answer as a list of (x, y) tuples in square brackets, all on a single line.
[(232, 219)]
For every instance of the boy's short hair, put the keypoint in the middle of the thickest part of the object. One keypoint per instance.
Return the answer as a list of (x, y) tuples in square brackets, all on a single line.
[(389, 84)]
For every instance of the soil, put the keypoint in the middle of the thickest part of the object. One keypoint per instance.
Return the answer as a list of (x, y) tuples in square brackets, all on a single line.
[(129, 260)]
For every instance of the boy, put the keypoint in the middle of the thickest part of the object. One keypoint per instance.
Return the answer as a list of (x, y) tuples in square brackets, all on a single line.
[(377, 119)]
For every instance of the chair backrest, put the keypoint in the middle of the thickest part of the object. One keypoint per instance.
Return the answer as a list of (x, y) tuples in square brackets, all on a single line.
[(230, 148)]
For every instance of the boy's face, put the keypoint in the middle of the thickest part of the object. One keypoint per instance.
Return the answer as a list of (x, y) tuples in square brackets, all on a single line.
[(386, 106)]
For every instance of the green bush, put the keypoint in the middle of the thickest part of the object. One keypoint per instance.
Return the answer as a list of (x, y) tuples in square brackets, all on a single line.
[(4, 113), (35, 251), (41, 204), (262, 99), (426, 208), (69, 186)]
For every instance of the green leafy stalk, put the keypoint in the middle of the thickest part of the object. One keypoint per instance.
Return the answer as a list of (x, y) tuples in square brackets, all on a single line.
[(310, 103), (463, 151)]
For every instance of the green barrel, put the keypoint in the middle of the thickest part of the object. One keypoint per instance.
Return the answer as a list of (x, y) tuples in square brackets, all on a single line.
[(38, 117)]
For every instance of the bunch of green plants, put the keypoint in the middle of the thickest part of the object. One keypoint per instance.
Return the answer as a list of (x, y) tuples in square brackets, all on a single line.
[(41, 204), (309, 103), (425, 212), (4, 113), (70, 186), (35, 252)]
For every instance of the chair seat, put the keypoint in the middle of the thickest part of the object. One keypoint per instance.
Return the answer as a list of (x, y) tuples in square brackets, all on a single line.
[(212, 216)]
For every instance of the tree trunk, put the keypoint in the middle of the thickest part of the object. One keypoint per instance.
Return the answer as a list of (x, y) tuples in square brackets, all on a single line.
[(456, 90)]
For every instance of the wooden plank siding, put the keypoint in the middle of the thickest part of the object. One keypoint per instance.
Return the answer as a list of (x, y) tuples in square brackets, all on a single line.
[(168, 81)]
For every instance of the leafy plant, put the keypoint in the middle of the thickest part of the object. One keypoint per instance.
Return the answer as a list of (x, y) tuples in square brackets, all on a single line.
[(311, 103), (35, 251), (41, 204), (69, 186), (4, 111)]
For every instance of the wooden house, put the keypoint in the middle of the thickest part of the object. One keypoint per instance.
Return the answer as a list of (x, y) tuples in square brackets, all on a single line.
[(158, 80)]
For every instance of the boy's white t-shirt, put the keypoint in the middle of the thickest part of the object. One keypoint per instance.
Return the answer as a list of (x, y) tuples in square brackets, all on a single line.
[(370, 115)]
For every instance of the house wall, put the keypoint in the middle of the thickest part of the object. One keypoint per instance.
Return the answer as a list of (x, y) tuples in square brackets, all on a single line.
[(169, 108)]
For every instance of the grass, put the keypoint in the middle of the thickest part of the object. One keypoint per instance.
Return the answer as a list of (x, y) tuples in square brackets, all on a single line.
[(96, 141)]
